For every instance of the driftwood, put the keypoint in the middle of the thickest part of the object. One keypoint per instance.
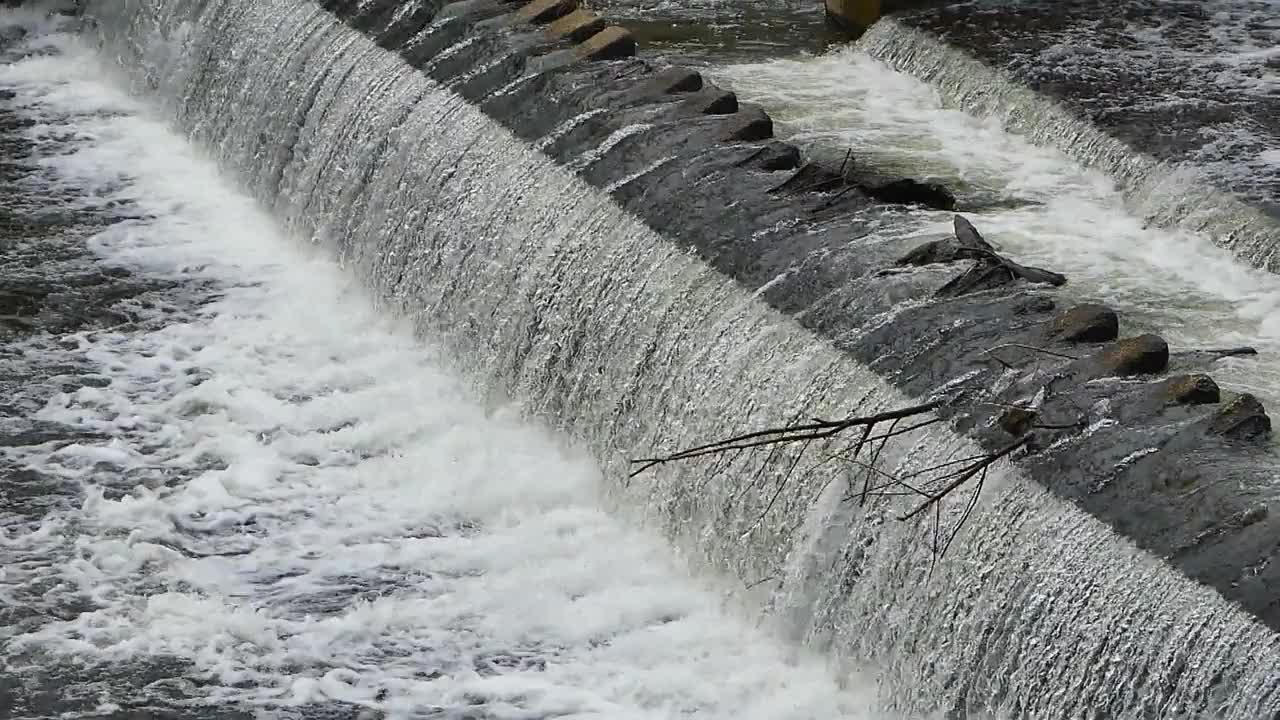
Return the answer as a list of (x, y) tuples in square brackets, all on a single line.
[(932, 485), (990, 269)]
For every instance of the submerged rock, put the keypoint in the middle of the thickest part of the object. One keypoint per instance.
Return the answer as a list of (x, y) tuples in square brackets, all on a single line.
[(912, 192)]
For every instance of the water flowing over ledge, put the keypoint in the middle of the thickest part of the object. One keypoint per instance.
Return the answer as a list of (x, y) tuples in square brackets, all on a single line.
[(1167, 192), (627, 338)]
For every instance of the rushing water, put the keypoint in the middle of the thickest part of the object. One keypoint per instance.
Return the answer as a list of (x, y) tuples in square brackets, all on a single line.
[(295, 502), (1211, 177), (300, 502), (1034, 202)]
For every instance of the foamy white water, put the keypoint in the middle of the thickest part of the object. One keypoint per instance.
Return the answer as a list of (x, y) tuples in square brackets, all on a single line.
[(1033, 201), (322, 511)]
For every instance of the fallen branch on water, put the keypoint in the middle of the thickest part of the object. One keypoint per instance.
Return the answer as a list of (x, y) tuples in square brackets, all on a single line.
[(815, 430), (932, 485)]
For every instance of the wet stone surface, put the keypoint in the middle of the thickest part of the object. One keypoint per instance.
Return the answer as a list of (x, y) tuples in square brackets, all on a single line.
[(1180, 80), (1113, 441)]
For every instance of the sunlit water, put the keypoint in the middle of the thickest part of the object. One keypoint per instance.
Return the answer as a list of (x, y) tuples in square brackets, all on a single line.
[(324, 513), (1035, 203)]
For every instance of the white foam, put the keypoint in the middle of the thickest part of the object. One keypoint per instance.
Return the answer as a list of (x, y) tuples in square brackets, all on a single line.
[(325, 513), (1049, 211)]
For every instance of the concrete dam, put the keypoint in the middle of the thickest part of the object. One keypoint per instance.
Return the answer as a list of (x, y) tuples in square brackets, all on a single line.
[(334, 330)]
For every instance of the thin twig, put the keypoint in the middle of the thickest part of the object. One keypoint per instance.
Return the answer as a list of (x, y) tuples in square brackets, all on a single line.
[(794, 433), (967, 475)]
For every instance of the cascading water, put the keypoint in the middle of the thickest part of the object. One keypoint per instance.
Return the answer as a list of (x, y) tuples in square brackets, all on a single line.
[(553, 296), (276, 500), (1166, 194), (1036, 202)]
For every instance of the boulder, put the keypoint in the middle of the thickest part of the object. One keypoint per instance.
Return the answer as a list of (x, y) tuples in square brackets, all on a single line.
[(1085, 323), (1192, 390), (576, 27), (773, 157), (544, 11), (913, 192), (671, 81), (1142, 355), (612, 43), (711, 101), (749, 124), (1243, 418)]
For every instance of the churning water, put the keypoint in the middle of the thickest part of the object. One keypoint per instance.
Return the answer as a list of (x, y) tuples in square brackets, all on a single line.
[(1034, 201), (295, 500), (1186, 92), (286, 497)]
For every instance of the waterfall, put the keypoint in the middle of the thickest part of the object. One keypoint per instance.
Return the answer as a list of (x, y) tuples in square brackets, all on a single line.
[(1162, 194), (549, 293)]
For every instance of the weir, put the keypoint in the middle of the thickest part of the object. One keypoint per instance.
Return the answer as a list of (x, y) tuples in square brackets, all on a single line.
[(657, 272), (1174, 100)]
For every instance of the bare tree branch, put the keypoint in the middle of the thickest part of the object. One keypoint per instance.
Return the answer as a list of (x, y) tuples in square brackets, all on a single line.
[(817, 430)]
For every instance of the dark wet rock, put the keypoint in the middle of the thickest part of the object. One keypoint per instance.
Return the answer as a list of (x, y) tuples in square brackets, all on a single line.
[(711, 101), (612, 43), (1018, 421), (544, 11), (1035, 305), (373, 15), (1142, 355), (669, 81), (1086, 323), (466, 9), (749, 124), (1243, 418), (402, 27), (1192, 390), (774, 157), (577, 26), (913, 192), (810, 178)]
